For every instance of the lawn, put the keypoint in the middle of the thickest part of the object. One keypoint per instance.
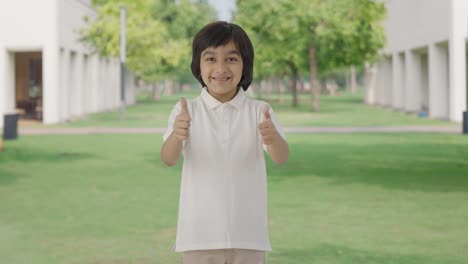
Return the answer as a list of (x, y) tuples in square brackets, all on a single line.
[(359, 198), (343, 110)]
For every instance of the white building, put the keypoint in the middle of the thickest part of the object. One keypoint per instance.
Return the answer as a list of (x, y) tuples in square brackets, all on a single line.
[(45, 72), (423, 67)]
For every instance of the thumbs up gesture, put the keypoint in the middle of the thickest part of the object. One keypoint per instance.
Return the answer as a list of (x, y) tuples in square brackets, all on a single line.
[(182, 121), (267, 128)]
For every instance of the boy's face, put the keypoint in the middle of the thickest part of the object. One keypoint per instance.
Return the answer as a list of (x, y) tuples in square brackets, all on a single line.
[(221, 70)]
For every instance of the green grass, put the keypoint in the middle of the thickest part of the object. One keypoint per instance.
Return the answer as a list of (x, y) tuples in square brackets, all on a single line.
[(359, 198), (343, 110)]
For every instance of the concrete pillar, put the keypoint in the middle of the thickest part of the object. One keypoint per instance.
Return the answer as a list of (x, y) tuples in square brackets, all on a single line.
[(380, 82), (388, 82), (64, 105), (398, 80), (110, 84), (72, 95), (86, 105), (3, 82), (105, 84), (50, 66), (116, 82), (115, 89), (457, 61), (424, 68), (413, 85), (370, 83), (7, 83), (78, 85), (51, 83), (94, 81), (100, 87), (438, 82)]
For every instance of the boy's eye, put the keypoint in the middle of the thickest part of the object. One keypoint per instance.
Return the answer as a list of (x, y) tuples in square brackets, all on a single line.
[(232, 59), (209, 59)]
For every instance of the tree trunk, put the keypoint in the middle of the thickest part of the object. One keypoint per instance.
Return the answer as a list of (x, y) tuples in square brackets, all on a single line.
[(168, 87), (263, 87), (281, 90), (269, 86), (156, 94), (275, 86), (348, 81), (353, 80), (314, 89), (177, 86), (293, 83), (258, 89)]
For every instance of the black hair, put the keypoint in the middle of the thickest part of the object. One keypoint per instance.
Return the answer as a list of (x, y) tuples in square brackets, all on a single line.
[(220, 33)]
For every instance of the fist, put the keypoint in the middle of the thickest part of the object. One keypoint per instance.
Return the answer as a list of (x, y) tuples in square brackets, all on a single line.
[(267, 128), (182, 122)]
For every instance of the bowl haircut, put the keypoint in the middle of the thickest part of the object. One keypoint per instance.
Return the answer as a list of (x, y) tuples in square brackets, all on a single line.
[(219, 33)]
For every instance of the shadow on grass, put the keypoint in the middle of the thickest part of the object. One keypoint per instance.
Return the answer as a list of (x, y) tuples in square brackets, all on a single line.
[(15, 156), (327, 253), (8, 176), (37, 155), (407, 165)]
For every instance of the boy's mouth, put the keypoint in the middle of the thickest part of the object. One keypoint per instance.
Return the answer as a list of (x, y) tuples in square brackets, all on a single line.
[(221, 79)]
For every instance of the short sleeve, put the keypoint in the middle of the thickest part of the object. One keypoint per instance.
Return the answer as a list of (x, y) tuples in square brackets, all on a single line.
[(170, 127), (277, 125)]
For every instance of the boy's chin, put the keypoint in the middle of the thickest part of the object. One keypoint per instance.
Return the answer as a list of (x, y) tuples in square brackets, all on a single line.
[(222, 90)]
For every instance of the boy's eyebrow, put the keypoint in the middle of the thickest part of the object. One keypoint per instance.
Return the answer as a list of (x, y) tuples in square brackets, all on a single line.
[(211, 52), (233, 52), (208, 52)]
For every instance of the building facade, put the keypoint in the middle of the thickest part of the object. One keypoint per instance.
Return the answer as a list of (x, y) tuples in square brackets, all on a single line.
[(46, 73), (423, 67)]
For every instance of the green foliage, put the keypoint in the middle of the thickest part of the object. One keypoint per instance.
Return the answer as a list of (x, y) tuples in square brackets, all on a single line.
[(159, 33), (350, 34), (344, 32), (275, 34)]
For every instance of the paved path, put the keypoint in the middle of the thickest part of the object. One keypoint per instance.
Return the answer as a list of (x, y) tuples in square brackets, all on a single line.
[(143, 130)]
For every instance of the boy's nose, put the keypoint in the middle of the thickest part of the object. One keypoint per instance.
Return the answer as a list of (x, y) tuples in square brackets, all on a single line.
[(220, 67)]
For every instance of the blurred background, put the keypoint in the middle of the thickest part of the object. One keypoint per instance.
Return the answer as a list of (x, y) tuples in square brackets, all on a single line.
[(372, 96)]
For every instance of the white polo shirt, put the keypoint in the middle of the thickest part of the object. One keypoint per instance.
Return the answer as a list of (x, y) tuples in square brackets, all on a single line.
[(223, 196)]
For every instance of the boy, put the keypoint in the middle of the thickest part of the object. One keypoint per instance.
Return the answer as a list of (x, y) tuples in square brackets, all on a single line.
[(222, 134)]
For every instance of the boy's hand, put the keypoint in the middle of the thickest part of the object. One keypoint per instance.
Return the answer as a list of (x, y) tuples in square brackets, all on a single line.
[(182, 121), (267, 128)]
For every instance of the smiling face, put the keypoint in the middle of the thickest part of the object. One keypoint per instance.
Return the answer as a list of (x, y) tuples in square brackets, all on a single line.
[(221, 70)]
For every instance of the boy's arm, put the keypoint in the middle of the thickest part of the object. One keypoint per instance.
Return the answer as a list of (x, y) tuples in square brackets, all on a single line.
[(171, 149), (278, 150), (277, 147), (172, 146)]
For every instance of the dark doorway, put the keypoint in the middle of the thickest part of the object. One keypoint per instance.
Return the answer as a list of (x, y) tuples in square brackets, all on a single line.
[(28, 85)]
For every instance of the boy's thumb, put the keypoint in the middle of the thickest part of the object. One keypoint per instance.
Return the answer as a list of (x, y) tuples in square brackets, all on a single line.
[(183, 104), (266, 112)]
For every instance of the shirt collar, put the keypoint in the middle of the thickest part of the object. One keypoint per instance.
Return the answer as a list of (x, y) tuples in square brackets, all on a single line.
[(212, 103)]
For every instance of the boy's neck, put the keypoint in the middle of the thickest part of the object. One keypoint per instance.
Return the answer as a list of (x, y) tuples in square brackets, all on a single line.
[(223, 98)]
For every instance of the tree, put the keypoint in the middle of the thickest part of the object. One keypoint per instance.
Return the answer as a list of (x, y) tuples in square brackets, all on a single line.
[(341, 33), (159, 34), (330, 34), (272, 29), (183, 20)]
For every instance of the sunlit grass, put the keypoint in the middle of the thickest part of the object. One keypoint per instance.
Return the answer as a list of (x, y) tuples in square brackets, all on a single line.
[(361, 198)]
